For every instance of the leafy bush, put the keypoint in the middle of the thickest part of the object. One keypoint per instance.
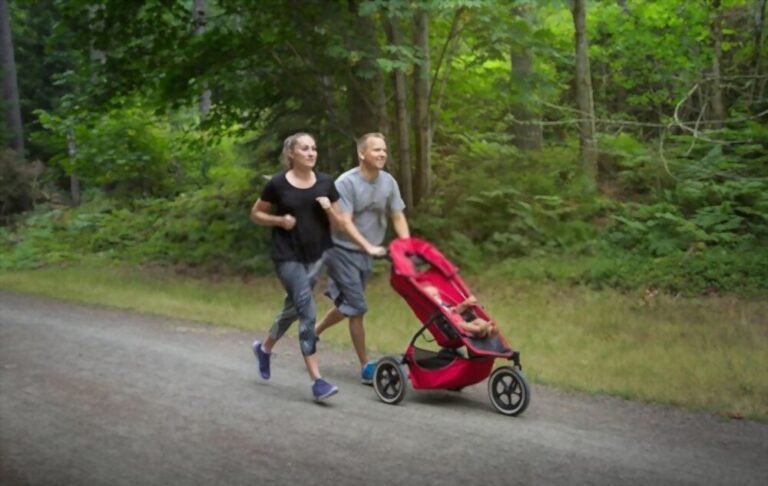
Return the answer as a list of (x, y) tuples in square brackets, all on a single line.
[(493, 202), (206, 228), (18, 189), (129, 150), (630, 169), (716, 196), (695, 273)]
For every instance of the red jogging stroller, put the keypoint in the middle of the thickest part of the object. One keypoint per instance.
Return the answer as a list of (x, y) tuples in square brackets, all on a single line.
[(415, 263)]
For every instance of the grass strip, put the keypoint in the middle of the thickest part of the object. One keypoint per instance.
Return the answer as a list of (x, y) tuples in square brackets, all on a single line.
[(703, 354)]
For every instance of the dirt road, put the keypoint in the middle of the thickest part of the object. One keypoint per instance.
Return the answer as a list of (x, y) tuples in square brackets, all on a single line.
[(94, 396)]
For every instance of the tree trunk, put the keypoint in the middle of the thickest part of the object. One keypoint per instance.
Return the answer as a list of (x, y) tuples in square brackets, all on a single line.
[(445, 59), (10, 87), (758, 87), (401, 120), (362, 109), (527, 131), (74, 180), (198, 16), (380, 90), (588, 145), (329, 121), (422, 179), (718, 106)]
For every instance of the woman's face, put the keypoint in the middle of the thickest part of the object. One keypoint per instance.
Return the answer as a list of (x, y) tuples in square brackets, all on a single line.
[(304, 153)]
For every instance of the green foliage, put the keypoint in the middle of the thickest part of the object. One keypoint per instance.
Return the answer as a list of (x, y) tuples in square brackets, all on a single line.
[(632, 166), (206, 228), (710, 271), (165, 184), (126, 149), (40, 60), (713, 195), (492, 202), (743, 271), (18, 188)]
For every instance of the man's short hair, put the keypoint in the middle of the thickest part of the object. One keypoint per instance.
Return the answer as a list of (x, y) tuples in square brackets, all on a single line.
[(362, 142)]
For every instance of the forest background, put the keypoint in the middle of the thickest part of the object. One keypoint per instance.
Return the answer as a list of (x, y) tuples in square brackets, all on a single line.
[(608, 144), (623, 148)]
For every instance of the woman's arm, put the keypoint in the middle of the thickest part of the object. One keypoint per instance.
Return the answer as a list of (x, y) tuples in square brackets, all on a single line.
[(261, 213)]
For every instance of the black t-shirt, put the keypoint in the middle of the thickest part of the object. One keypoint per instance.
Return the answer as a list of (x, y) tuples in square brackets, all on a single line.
[(311, 235)]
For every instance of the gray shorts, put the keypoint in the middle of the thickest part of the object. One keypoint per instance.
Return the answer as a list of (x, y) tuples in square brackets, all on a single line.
[(348, 272)]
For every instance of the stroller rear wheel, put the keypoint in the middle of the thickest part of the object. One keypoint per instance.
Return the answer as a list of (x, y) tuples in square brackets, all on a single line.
[(509, 390), (389, 380)]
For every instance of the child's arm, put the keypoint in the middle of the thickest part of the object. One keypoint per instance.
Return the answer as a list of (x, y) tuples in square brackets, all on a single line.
[(466, 304), (471, 327), (480, 328)]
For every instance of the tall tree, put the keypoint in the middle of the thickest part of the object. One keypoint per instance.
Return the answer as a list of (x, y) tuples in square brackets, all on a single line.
[(198, 16), (10, 87), (404, 173), (718, 105), (528, 133), (362, 90), (422, 179), (442, 69), (758, 86), (584, 97)]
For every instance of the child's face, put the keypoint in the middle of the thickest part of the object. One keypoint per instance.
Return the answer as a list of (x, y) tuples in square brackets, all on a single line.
[(432, 291)]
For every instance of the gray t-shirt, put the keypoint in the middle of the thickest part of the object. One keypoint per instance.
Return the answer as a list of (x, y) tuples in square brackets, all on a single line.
[(370, 203)]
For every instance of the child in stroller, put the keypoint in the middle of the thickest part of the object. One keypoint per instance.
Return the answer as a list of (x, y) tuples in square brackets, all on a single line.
[(472, 324), (431, 286)]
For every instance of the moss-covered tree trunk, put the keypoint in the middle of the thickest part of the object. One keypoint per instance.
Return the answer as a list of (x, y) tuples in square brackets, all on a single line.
[(526, 129), (718, 105), (588, 144)]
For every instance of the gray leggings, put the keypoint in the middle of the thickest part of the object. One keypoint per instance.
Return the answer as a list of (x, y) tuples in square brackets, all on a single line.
[(298, 279)]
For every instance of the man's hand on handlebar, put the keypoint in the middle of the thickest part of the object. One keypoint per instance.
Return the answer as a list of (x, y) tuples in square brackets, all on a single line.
[(377, 251)]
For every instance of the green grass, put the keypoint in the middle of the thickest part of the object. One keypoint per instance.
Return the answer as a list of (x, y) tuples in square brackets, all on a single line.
[(702, 354)]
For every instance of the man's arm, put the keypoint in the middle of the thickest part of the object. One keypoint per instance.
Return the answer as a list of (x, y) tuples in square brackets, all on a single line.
[(344, 221), (400, 225)]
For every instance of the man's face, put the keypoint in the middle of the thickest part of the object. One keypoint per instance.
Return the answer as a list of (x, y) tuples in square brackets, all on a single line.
[(375, 153)]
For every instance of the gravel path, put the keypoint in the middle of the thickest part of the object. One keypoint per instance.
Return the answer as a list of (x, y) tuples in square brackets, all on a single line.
[(95, 396)]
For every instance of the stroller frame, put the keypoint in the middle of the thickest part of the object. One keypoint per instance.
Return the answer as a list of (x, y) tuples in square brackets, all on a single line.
[(448, 368)]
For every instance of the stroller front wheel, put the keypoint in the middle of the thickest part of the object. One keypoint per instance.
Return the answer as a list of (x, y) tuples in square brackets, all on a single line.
[(389, 380), (509, 390)]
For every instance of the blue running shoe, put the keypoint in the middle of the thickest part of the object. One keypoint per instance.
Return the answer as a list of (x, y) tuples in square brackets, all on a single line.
[(321, 389), (366, 373), (263, 359)]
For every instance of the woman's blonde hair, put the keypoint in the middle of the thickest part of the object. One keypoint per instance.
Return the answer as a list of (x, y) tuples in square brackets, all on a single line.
[(288, 144)]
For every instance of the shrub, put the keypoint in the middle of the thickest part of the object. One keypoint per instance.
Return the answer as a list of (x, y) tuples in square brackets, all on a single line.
[(18, 184)]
